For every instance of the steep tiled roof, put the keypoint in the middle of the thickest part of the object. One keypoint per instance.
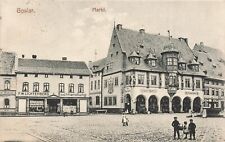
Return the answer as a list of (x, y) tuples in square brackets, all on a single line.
[(211, 61), (52, 66), (98, 65), (130, 41), (7, 62)]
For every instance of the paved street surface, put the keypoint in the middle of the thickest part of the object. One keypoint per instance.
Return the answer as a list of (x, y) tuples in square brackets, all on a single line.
[(92, 128)]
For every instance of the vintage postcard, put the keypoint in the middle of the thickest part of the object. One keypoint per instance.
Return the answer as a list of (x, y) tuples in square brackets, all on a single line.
[(112, 71)]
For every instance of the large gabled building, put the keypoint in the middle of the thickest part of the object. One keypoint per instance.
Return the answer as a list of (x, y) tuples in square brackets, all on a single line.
[(212, 62), (145, 72)]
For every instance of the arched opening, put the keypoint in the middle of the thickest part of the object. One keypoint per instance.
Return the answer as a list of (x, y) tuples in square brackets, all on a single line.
[(176, 106), (164, 104), (186, 104), (127, 103), (197, 104), (153, 104), (6, 102), (140, 104)]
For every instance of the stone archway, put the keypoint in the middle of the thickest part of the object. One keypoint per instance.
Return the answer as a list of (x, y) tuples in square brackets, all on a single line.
[(164, 104), (186, 104), (153, 104), (127, 103), (197, 104), (140, 104), (176, 104)]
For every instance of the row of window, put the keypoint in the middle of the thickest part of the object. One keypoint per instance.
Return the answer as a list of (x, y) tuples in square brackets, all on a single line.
[(110, 101), (46, 87), (214, 82), (46, 76), (95, 85), (114, 81), (97, 100), (214, 92)]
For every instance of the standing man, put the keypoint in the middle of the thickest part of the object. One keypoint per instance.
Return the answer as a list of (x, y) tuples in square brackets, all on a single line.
[(191, 128), (175, 125)]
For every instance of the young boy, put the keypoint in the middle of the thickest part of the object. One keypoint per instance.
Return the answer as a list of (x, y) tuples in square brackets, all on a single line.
[(191, 128), (185, 129), (175, 125)]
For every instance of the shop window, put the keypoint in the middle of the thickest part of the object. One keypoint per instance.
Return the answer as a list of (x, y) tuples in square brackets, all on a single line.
[(80, 88), (71, 88), (25, 75), (187, 83), (116, 81), (198, 83), (153, 79), (36, 75), (114, 100), (46, 87), (110, 101), (6, 102), (222, 92), (7, 85), (36, 105), (25, 87), (36, 87), (80, 77), (61, 87), (105, 101), (141, 79), (71, 76), (97, 100)]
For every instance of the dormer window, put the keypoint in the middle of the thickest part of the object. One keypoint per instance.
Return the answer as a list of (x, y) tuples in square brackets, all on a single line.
[(134, 58), (182, 66), (195, 68), (171, 61)]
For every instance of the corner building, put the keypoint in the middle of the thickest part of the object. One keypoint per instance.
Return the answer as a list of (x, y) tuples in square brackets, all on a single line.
[(145, 72), (51, 86)]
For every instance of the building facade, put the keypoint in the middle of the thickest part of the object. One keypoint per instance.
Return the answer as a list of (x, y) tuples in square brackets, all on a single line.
[(212, 62), (51, 86), (145, 72), (7, 83)]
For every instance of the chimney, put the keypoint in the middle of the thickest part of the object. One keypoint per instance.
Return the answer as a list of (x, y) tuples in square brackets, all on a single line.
[(201, 43), (142, 31), (185, 39), (64, 58), (34, 56), (23, 56), (119, 26)]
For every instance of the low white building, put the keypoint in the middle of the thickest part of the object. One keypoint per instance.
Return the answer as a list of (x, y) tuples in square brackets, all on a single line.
[(52, 86)]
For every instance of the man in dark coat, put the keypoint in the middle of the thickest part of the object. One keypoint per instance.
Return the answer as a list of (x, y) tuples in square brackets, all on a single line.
[(175, 125), (191, 128)]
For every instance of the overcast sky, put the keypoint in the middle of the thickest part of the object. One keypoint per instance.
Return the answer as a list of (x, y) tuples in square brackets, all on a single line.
[(70, 28)]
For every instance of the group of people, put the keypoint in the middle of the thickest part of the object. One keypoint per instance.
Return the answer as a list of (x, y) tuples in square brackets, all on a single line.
[(187, 129)]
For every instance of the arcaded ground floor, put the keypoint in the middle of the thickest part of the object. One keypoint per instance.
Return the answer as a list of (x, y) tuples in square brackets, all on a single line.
[(105, 127)]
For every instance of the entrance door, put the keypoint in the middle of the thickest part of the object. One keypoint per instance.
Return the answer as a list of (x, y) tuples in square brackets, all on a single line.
[(186, 104), (153, 104), (176, 106), (197, 104), (127, 103), (83, 105), (140, 104), (53, 105), (22, 105)]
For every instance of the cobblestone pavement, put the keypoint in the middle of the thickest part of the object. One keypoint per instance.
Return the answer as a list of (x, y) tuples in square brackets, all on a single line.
[(92, 128)]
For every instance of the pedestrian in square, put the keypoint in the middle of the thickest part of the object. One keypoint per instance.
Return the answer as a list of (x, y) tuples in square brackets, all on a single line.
[(185, 129), (125, 120), (176, 125), (191, 128)]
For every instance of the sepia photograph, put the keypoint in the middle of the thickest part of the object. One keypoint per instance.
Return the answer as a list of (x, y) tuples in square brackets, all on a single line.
[(112, 70)]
